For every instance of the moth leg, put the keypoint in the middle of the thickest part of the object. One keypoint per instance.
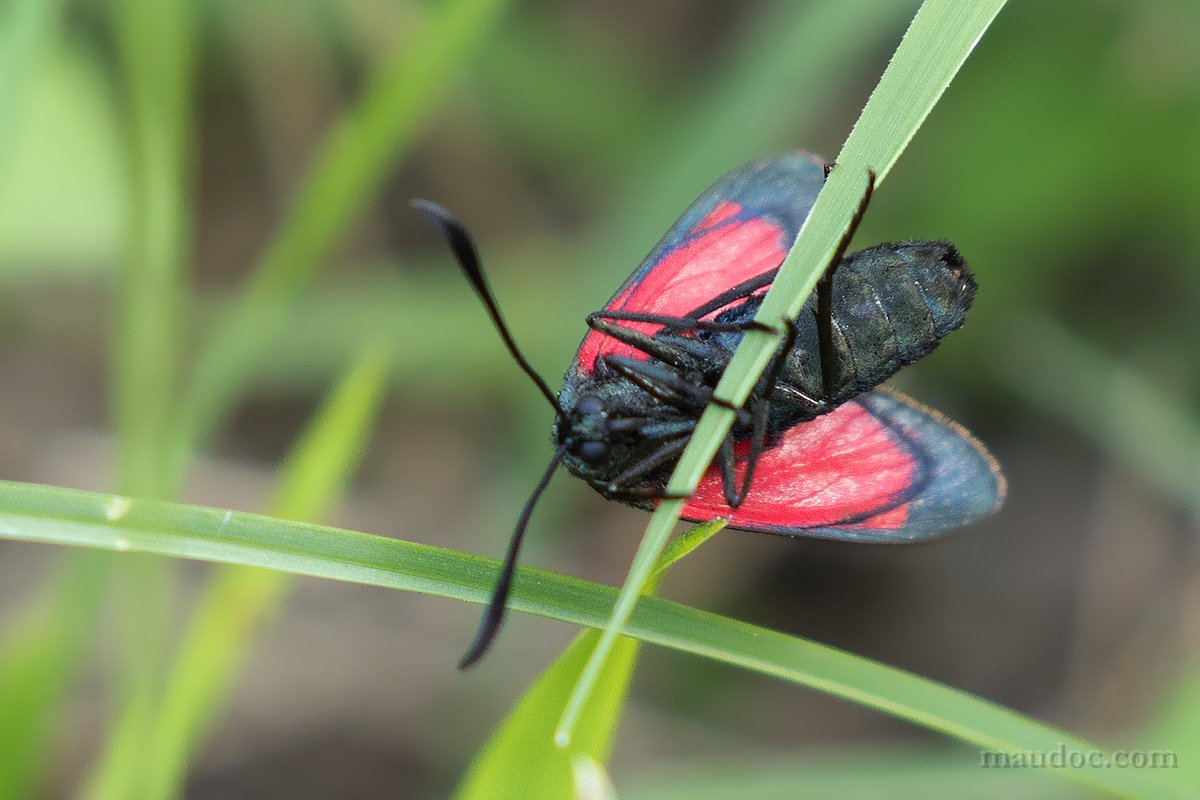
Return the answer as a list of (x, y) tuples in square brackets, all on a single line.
[(725, 463), (655, 348), (758, 436), (671, 387), (686, 323), (652, 428), (738, 292), (669, 450), (681, 353), (660, 383)]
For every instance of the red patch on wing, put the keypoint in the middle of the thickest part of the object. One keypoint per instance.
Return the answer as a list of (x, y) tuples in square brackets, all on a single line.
[(844, 468), (719, 253), (723, 211)]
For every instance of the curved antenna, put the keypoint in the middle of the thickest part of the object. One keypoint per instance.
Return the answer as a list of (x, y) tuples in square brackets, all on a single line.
[(493, 616), (463, 247)]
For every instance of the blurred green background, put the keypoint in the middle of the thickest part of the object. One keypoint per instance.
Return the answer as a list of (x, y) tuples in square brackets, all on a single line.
[(1063, 162)]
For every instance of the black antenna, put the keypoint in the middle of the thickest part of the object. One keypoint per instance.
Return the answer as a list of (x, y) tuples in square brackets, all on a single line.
[(493, 616), (467, 256)]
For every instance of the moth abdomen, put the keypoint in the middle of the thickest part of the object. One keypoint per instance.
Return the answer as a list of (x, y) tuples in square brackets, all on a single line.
[(893, 304)]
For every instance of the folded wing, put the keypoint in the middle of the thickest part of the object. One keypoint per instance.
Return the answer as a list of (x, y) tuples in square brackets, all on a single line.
[(742, 226), (879, 468)]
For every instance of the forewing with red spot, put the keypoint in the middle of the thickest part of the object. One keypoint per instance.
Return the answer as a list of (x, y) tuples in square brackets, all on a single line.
[(742, 226), (879, 468)]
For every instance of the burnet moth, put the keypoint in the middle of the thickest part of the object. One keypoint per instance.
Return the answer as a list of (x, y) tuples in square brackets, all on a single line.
[(817, 449)]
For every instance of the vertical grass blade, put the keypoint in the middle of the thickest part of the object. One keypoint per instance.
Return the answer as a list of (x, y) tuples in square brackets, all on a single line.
[(802, 55), (942, 35), (42, 654), (39, 653), (155, 43), (25, 28), (236, 600), (519, 760), (356, 158)]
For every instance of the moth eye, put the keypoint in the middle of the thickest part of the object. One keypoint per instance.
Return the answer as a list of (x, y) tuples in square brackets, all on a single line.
[(592, 452), (589, 405)]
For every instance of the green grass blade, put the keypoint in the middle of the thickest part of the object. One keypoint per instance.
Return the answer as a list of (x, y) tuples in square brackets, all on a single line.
[(42, 654), (63, 199), (680, 548), (156, 56), (942, 35), (64, 516), (847, 774), (796, 50), (237, 599), (155, 42), (356, 158), (25, 28), (1174, 728), (592, 781), (803, 55), (520, 760), (314, 474)]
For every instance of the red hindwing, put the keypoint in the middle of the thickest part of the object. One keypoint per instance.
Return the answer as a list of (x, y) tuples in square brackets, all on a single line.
[(880, 467)]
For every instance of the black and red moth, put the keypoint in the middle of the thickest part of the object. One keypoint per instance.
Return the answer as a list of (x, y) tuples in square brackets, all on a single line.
[(817, 449)]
